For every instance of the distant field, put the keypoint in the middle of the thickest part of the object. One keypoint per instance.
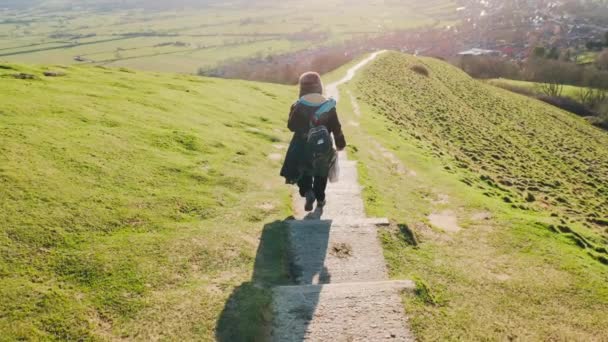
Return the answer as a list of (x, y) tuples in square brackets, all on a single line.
[(587, 57), (183, 40), (568, 91)]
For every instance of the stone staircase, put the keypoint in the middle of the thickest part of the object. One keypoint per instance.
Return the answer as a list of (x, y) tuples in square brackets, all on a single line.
[(342, 291)]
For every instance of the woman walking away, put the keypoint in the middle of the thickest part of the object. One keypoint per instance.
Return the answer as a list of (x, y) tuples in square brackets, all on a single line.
[(311, 154)]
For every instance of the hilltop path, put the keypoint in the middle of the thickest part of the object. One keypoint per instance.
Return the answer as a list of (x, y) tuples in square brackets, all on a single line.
[(342, 291)]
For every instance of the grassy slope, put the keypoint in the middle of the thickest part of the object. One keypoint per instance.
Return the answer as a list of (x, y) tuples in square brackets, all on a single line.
[(424, 144), (131, 204)]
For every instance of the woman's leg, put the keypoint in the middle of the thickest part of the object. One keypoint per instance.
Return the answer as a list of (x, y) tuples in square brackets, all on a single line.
[(306, 191), (319, 188), (305, 185)]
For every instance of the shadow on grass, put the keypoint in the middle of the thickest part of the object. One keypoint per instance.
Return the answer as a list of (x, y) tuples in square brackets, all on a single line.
[(247, 315), (408, 235)]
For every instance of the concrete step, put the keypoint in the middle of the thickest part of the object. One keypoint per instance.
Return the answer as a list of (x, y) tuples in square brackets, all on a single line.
[(343, 204), (340, 204), (343, 222), (324, 251), (367, 311), (343, 198)]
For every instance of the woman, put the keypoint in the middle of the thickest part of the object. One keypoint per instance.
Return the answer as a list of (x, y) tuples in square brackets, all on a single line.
[(313, 119)]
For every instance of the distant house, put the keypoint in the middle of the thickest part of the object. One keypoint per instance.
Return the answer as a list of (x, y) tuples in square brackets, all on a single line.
[(479, 52)]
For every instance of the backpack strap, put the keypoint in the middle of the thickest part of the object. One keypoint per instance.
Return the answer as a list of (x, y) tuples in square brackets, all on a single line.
[(326, 107), (323, 108)]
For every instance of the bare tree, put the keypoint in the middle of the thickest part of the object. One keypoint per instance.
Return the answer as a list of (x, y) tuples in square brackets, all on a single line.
[(591, 97), (552, 88)]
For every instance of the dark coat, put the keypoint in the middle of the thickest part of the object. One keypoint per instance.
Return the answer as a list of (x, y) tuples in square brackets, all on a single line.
[(296, 162)]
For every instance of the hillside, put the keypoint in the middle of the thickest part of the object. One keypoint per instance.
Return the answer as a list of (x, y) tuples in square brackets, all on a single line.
[(132, 203), (148, 206), (499, 201), (517, 146)]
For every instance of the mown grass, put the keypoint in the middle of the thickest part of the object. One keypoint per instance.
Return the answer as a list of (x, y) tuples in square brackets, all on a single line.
[(445, 142), (132, 204)]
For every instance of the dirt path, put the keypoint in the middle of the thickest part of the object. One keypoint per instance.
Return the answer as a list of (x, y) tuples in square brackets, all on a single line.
[(332, 88), (342, 291)]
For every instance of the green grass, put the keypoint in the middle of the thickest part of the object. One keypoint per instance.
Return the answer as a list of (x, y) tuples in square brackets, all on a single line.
[(448, 142), (213, 33), (587, 57), (145, 206), (568, 90), (132, 204)]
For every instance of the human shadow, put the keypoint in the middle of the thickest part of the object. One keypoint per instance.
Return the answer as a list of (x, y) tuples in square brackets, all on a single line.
[(315, 215), (290, 252)]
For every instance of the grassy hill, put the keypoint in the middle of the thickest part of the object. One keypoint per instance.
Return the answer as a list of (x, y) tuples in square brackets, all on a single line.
[(131, 203), (500, 203)]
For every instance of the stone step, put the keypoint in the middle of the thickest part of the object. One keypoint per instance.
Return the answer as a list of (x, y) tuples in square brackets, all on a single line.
[(367, 311), (339, 205), (343, 222), (324, 251), (343, 204)]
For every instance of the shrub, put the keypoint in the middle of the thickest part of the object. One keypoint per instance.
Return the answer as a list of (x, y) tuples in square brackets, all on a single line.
[(567, 104), (420, 69), (489, 67), (552, 89), (595, 78), (602, 118), (591, 97), (602, 60), (552, 71)]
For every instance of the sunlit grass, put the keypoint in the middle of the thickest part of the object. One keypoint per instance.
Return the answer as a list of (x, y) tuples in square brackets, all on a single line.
[(509, 273), (132, 203)]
